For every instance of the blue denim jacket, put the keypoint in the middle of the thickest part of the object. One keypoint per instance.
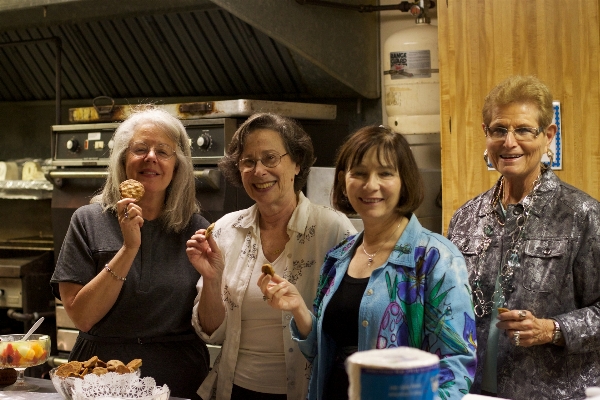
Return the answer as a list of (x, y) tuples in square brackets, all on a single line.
[(419, 298)]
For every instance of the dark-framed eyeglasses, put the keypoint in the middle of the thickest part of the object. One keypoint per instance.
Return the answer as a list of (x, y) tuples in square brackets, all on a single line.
[(522, 133), (162, 151), (270, 159)]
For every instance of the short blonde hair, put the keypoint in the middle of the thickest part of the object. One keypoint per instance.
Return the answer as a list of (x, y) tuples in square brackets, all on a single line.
[(520, 89), (180, 202)]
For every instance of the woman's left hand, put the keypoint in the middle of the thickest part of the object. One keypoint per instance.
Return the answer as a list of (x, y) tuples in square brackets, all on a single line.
[(280, 293), (524, 329)]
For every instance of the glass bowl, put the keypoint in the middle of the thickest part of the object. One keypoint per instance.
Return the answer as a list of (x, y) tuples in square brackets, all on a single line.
[(16, 353), (20, 354), (66, 386)]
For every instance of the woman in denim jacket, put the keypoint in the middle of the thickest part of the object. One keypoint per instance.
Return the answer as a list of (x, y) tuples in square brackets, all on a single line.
[(394, 284)]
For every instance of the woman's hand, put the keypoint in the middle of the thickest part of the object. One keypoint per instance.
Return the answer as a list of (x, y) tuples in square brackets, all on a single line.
[(279, 293), (205, 255), (524, 329), (131, 221), (282, 295)]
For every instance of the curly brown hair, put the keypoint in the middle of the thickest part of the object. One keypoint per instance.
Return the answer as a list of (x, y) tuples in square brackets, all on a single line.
[(296, 141)]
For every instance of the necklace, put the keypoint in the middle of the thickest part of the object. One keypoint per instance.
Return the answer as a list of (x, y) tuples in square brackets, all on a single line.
[(511, 260), (371, 257)]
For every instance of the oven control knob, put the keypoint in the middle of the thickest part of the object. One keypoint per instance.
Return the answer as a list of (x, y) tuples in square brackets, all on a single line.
[(73, 145), (204, 141)]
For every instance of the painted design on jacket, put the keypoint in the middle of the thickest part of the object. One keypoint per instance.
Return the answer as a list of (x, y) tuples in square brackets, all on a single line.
[(236, 224), (409, 311), (250, 249), (307, 235), (228, 298), (296, 271)]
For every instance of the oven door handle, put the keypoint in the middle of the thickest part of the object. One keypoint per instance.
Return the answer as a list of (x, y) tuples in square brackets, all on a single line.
[(206, 178)]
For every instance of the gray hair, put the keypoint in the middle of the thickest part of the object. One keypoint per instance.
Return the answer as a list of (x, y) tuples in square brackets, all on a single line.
[(180, 202)]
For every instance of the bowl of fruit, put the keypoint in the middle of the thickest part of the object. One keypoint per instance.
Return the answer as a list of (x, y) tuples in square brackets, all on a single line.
[(20, 354)]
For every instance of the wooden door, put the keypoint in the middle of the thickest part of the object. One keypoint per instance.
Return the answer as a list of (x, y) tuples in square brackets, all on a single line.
[(482, 42)]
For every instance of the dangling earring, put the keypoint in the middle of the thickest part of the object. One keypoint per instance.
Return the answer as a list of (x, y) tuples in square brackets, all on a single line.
[(550, 155), (486, 158)]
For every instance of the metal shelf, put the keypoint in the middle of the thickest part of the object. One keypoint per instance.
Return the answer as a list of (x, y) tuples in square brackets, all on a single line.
[(26, 190)]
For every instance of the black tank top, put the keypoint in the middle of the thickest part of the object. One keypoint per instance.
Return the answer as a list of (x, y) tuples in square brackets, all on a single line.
[(340, 321)]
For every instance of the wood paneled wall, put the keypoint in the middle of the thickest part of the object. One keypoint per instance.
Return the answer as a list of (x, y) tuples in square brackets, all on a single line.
[(482, 42)]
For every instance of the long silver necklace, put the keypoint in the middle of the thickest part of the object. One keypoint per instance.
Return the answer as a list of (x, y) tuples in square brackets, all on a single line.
[(511, 260), (371, 257)]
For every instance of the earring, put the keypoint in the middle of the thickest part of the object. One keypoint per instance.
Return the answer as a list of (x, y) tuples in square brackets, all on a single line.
[(486, 158), (550, 155)]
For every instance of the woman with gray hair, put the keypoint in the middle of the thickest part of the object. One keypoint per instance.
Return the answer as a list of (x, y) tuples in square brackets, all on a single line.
[(123, 274)]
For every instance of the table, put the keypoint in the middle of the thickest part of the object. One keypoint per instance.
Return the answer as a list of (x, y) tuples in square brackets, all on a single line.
[(45, 392)]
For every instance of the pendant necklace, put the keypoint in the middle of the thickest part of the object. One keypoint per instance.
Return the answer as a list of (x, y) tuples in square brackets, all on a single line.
[(511, 260), (371, 257)]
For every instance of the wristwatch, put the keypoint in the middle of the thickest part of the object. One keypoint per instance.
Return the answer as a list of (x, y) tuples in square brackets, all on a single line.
[(557, 334)]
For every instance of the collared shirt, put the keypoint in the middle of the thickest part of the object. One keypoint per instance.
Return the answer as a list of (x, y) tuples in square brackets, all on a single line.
[(557, 277), (418, 298), (313, 230)]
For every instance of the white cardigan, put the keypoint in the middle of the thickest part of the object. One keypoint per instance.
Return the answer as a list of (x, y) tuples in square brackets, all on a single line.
[(313, 230)]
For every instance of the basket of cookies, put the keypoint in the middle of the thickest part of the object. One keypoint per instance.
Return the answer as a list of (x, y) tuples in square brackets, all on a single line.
[(115, 386), (64, 376)]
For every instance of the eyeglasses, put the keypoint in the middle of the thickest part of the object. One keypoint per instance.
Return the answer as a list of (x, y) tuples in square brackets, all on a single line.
[(270, 160), (161, 151), (522, 134)]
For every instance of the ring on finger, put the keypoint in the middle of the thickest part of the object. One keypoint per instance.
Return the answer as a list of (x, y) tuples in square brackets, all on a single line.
[(517, 338), (126, 211), (522, 314)]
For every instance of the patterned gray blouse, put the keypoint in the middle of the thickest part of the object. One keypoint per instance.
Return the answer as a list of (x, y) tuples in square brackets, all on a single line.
[(558, 277)]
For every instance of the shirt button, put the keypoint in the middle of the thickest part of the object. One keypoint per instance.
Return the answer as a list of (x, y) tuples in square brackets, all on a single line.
[(289, 255), (288, 317), (517, 211), (365, 323), (369, 292), (290, 350)]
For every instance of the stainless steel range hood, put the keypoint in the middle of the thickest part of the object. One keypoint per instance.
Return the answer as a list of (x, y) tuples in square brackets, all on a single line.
[(142, 49)]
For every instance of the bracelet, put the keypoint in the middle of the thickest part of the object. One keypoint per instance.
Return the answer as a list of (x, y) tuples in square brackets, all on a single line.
[(556, 334), (106, 267)]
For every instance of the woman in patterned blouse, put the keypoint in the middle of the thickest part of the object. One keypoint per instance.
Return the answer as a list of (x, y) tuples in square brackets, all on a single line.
[(271, 157)]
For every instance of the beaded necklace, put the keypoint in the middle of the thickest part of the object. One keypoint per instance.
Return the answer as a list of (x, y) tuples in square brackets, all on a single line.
[(511, 260)]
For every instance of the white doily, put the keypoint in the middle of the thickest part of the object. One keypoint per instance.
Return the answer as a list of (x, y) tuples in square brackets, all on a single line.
[(117, 386), (66, 386)]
